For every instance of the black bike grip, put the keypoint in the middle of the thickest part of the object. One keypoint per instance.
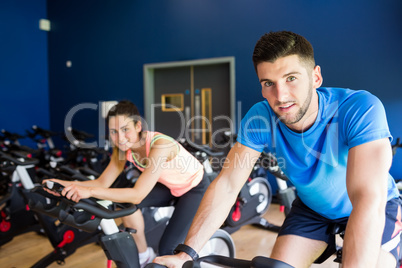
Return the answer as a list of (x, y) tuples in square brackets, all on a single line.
[(54, 186), (155, 265)]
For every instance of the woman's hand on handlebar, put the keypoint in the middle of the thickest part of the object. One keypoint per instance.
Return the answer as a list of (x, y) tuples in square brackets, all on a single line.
[(173, 261), (76, 193), (70, 190), (54, 186)]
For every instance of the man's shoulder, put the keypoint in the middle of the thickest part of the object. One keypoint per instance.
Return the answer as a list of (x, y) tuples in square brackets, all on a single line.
[(338, 92), (345, 95)]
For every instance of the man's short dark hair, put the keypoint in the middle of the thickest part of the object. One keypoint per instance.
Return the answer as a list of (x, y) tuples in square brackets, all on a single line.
[(274, 45)]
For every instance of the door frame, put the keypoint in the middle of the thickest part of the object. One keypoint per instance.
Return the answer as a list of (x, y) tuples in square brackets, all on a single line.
[(149, 88)]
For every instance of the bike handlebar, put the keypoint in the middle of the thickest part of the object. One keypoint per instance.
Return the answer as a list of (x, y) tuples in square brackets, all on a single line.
[(85, 214), (11, 136), (223, 261), (91, 206), (79, 134), (42, 132), (270, 163), (398, 143), (395, 146), (19, 161)]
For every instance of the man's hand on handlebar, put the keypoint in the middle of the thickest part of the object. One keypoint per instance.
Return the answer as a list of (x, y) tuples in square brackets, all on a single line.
[(173, 261)]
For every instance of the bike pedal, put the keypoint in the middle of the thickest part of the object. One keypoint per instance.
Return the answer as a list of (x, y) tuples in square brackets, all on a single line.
[(338, 258), (130, 230)]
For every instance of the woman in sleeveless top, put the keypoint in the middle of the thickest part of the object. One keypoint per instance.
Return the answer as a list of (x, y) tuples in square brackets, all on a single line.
[(169, 172)]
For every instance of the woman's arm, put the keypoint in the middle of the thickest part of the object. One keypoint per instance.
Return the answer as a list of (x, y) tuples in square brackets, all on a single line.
[(161, 151)]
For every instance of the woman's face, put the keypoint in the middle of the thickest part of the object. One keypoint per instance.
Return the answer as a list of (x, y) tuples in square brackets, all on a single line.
[(124, 133)]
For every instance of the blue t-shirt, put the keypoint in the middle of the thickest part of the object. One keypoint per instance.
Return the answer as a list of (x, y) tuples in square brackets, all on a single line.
[(315, 160)]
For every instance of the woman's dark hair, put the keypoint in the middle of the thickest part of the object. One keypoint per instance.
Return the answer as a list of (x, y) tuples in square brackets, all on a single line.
[(126, 108), (274, 45)]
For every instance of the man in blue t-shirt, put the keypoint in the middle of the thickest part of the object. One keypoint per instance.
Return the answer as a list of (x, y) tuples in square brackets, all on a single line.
[(335, 146)]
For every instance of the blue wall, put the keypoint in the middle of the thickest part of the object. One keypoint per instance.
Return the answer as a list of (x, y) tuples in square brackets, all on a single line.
[(24, 89), (357, 44)]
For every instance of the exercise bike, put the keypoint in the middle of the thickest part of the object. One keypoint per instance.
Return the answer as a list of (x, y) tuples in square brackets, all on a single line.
[(260, 261), (253, 200), (156, 218), (395, 147), (266, 164), (48, 154), (80, 154), (18, 217), (286, 195), (118, 245)]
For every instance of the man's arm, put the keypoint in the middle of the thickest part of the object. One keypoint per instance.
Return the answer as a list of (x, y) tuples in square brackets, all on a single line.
[(217, 201), (366, 180)]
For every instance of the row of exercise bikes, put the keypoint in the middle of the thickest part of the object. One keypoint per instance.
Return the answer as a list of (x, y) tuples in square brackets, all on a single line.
[(27, 207)]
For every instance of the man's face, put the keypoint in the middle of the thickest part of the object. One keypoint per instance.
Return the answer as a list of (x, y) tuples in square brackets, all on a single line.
[(289, 87)]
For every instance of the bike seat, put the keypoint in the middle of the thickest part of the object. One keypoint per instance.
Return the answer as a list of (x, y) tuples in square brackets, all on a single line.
[(336, 228)]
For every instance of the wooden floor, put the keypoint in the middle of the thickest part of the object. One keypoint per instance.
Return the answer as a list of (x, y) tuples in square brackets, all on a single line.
[(26, 249)]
